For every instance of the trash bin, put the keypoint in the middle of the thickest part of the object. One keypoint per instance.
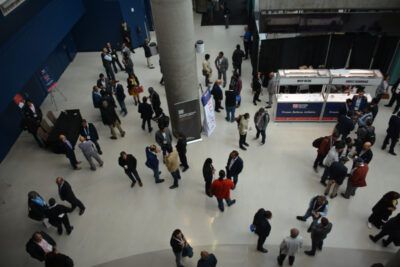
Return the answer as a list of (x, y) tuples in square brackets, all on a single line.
[(153, 48), (200, 46)]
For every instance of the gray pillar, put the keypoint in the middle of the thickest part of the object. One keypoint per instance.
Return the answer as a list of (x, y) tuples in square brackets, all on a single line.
[(394, 261), (173, 21)]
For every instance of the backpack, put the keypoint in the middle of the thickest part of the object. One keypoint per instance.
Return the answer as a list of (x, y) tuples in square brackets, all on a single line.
[(317, 142)]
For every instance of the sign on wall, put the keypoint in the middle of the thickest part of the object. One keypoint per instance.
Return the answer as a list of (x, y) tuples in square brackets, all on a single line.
[(209, 122)]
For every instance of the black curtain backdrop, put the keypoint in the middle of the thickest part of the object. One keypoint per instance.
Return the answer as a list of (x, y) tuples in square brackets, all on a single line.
[(291, 53)]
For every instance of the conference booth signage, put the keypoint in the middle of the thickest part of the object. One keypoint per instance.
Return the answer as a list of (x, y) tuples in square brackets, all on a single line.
[(324, 105)]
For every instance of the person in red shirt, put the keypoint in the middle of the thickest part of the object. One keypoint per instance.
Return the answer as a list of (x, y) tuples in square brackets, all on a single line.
[(221, 189), (357, 178), (323, 149)]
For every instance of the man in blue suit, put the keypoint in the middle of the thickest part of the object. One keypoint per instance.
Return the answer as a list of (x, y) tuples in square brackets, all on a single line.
[(153, 163), (359, 101)]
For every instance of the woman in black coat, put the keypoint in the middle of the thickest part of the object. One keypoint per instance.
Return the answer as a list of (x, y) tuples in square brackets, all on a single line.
[(383, 209), (262, 227), (208, 173)]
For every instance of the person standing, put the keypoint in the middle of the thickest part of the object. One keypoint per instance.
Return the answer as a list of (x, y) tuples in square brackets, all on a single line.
[(332, 156), (120, 95), (126, 36), (30, 111), (337, 174), (392, 133), (243, 128), (181, 148), (66, 194), (383, 209), (56, 259), (236, 85), (382, 88), (317, 208), (115, 58), (96, 97), (221, 190), (207, 260), (172, 163), (395, 96), (103, 83), (222, 65), (106, 58), (153, 163), (319, 232), (37, 208), (178, 243), (134, 88), (262, 227), (58, 216), (89, 131), (207, 70), (146, 113), (234, 166), (147, 53), (357, 178), (89, 151), (110, 118), (364, 152), (261, 120), (391, 229), (39, 245), (164, 139), (271, 88), (155, 102), (129, 163), (69, 152), (323, 148), (359, 101), (208, 175), (216, 92), (247, 41), (230, 104), (256, 87), (237, 58), (289, 247), (127, 61), (226, 11)]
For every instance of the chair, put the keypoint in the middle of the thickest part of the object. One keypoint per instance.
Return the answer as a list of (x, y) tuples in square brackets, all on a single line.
[(51, 117), (45, 125)]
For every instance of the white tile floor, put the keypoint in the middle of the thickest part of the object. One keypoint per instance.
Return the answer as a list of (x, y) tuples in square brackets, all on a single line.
[(120, 221)]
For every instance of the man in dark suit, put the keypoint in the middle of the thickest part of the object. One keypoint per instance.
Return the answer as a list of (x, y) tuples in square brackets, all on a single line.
[(56, 259), (393, 133), (30, 111), (359, 101), (345, 125), (65, 192), (104, 83), (263, 227), (120, 95), (395, 96), (111, 119), (129, 163), (58, 216), (237, 58), (234, 166), (146, 113), (106, 58), (89, 131), (69, 152), (115, 58), (181, 148), (230, 104), (345, 108), (365, 152), (155, 102), (40, 245)]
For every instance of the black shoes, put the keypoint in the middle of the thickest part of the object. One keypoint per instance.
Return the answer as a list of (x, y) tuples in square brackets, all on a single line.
[(392, 153), (343, 195), (173, 187), (300, 218), (309, 253), (160, 181), (246, 144), (263, 250), (185, 169), (81, 212), (372, 238), (70, 230), (132, 184), (243, 148)]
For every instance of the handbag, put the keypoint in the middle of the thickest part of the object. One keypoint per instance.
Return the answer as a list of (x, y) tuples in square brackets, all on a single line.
[(187, 251), (138, 89)]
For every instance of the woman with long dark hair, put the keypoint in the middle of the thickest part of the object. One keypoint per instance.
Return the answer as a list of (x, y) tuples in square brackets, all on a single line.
[(208, 173), (178, 243), (383, 209)]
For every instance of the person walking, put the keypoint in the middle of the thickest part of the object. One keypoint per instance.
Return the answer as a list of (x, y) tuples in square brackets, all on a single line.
[(172, 163), (69, 152), (391, 229), (66, 194), (207, 260), (345, 125), (89, 131), (262, 227), (243, 128), (96, 97), (206, 69), (181, 148), (37, 208), (164, 139), (217, 94), (247, 41), (271, 88), (324, 146), (317, 208), (56, 259), (234, 167), (261, 120), (256, 88), (392, 133), (106, 58), (146, 113), (153, 163), (357, 178), (208, 175), (383, 209), (129, 163), (147, 53), (115, 58), (337, 174), (111, 119), (332, 156), (155, 102), (290, 246), (179, 244), (319, 232), (395, 97), (127, 61), (134, 88), (222, 65), (230, 104), (58, 216), (89, 151), (221, 190), (237, 58), (120, 95)]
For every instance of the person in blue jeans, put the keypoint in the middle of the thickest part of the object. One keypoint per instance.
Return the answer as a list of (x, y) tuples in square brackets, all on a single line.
[(230, 104), (153, 163), (317, 208)]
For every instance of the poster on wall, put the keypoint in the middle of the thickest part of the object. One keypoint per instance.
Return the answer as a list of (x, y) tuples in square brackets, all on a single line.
[(209, 122), (46, 79), (188, 114)]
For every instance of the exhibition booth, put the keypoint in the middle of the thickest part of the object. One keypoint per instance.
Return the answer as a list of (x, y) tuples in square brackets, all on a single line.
[(318, 95)]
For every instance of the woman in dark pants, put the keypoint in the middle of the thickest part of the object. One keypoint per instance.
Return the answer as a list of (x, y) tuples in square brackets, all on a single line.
[(208, 173), (383, 209)]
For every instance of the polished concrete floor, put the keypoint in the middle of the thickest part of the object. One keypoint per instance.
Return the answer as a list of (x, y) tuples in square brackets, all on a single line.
[(120, 222)]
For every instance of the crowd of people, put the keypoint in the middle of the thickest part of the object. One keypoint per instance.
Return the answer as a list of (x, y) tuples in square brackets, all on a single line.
[(334, 152)]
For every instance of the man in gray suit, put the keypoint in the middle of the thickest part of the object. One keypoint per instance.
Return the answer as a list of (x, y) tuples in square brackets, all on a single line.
[(89, 151), (271, 88), (164, 139), (221, 63)]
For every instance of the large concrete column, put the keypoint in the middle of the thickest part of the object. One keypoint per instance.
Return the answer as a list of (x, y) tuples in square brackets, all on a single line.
[(173, 21)]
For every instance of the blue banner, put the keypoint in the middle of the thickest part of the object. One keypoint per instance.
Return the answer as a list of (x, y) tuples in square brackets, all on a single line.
[(298, 111)]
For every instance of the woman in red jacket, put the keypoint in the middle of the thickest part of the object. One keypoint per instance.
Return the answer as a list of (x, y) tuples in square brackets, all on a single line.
[(357, 178), (220, 188)]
